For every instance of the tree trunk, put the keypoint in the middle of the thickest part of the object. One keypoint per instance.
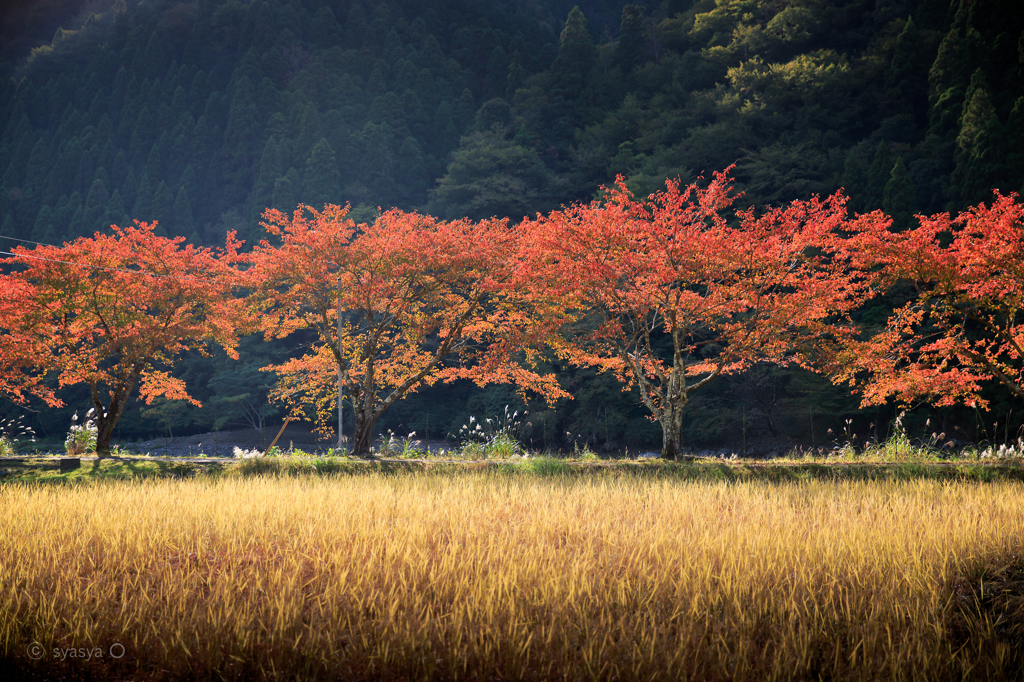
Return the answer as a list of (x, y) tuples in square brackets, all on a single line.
[(362, 439), (671, 426), (104, 434)]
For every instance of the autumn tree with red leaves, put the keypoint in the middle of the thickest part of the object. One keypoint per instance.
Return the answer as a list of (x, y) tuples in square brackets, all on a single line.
[(965, 325), (420, 301), (667, 294), (23, 356), (114, 311)]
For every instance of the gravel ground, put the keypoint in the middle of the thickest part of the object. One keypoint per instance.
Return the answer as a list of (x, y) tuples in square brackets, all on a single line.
[(223, 443)]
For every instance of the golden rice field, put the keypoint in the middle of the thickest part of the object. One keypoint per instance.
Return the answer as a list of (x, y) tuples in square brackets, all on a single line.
[(488, 576)]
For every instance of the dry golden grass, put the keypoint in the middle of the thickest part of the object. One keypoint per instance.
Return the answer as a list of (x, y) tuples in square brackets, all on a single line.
[(508, 577)]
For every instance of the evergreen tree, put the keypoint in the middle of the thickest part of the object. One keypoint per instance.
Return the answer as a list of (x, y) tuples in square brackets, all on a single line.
[(284, 191), (906, 84), (204, 141), (189, 182), (377, 165), (463, 111), (411, 174), (43, 231), (1015, 147), (96, 205), (156, 162), (322, 183), (163, 209), (310, 131), (143, 207), (142, 137), (388, 109), (263, 190), (950, 74), (632, 48), (878, 175), (240, 138), (490, 175), (516, 75), (495, 114), (119, 169), (129, 189), (183, 223), (78, 226), (38, 168), (898, 198), (115, 213), (576, 56), (978, 145), (445, 135), (496, 74)]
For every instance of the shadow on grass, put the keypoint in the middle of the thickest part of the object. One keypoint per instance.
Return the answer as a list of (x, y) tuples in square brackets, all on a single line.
[(48, 471)]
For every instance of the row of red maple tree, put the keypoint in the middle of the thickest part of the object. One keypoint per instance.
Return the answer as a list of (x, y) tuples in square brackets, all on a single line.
[(665, 292)]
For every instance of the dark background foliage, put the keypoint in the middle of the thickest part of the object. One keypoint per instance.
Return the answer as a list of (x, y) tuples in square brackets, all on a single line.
[(201, 114)]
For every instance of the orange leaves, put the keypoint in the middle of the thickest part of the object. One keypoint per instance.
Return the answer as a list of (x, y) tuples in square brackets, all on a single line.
[(682, 294), (105, 310), (965, 326), (674, 265), (406, 301)]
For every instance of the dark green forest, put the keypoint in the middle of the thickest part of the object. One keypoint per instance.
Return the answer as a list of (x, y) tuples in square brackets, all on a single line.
[(201, 114)]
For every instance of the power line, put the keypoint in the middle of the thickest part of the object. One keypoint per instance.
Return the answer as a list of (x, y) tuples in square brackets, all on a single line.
[(27, 241)]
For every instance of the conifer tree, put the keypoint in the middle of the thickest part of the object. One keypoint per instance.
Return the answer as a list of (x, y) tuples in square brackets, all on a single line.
[(516, 75), (284, 191), (496, 74), (163, 209), (576, 56), (240, 136), (77, 226), (115, 213), (377, 166), (463, 111), (143, 207), (189, 182), (322, 183), (39, 166), (43, 230), (632, 48), (96, 205), (898, 198), (445, 135), (950, 74), (906, 84), (878, 175), (142, 136), (183, 223), (263, 190), (156, 162), (978, 145)]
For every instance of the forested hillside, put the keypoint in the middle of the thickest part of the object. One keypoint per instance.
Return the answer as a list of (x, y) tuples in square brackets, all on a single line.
[(202, 114)]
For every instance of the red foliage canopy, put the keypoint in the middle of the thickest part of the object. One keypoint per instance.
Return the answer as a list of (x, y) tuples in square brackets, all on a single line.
[(110, 311), (420, 300), (965, 326), (682, 295)]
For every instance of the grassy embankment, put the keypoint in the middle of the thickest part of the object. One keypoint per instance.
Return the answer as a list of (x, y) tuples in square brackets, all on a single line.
[(492, 574)]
